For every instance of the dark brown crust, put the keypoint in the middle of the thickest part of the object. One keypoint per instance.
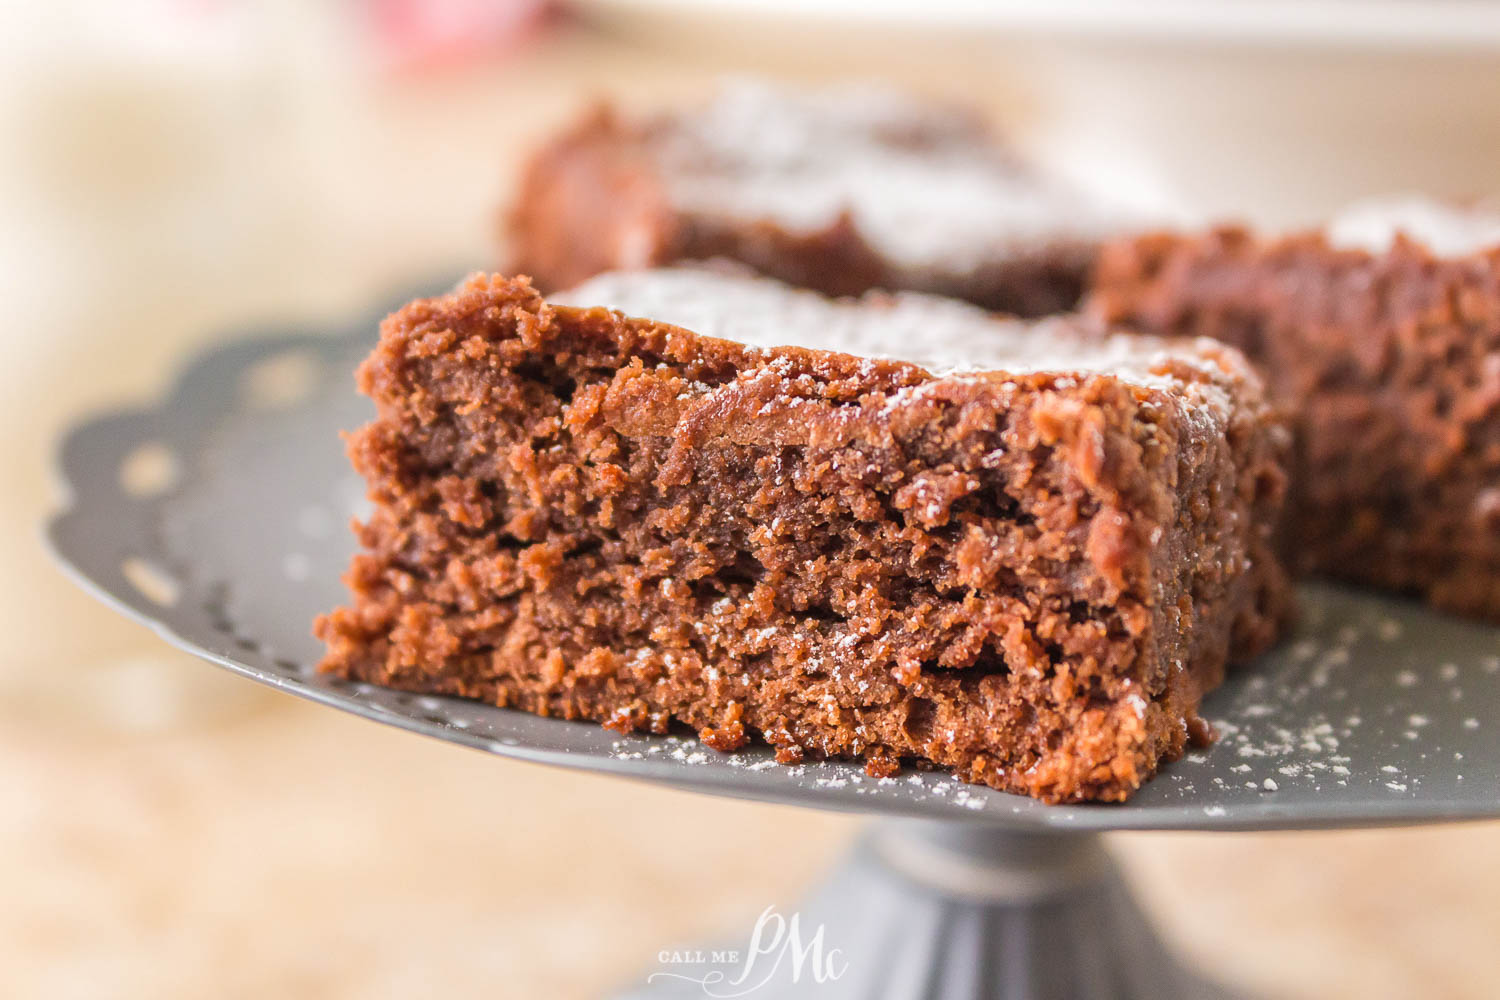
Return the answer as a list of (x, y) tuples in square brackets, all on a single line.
[(1028, 579), (592, 200), (1391, 363)]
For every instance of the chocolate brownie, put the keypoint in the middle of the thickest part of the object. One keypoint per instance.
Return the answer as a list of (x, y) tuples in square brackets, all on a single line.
[(1382, 335), (1022, 551), (840, 190)]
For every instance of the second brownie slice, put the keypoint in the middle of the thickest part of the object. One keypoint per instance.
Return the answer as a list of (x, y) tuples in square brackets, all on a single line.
[(841, 190), (1387, 352), (896, 529)]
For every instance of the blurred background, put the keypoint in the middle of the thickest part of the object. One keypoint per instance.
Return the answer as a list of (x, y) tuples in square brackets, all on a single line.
[(174, 171)]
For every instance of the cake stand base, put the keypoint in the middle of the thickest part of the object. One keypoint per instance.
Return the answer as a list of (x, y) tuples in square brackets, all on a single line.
[(925, 910)]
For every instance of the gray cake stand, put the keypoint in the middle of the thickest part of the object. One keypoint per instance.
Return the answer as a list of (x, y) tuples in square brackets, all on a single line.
[(218, 519)]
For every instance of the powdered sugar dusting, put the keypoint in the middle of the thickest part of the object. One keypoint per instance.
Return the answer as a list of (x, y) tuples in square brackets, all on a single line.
[(1447, 229), (943, 336), (924, 184)]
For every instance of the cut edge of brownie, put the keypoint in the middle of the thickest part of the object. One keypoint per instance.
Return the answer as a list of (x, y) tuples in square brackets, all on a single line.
[(1028, 578)]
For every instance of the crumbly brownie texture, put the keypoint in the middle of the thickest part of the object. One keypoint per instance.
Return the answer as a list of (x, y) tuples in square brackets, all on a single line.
[(840, 190), (1028, 576), (1388, 355)]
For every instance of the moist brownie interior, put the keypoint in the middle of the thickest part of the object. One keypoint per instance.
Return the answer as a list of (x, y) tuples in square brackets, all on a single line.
[(1021, 551)]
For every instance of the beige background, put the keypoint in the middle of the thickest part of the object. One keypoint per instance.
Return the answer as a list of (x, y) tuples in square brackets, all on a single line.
[(169, 831)]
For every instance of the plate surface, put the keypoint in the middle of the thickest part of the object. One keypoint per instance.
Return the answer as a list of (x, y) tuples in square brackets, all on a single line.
[(220, 520)]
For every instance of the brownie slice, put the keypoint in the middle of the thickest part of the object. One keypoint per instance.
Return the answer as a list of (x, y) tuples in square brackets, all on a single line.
[(1388, 353), (840, 190), (1020, 551)]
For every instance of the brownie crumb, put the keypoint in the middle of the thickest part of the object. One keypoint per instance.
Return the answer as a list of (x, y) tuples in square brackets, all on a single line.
[(1018, 551)]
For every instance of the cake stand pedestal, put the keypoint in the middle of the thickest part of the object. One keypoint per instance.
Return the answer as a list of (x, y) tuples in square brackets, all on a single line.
[(924, 910), (217, 518)]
